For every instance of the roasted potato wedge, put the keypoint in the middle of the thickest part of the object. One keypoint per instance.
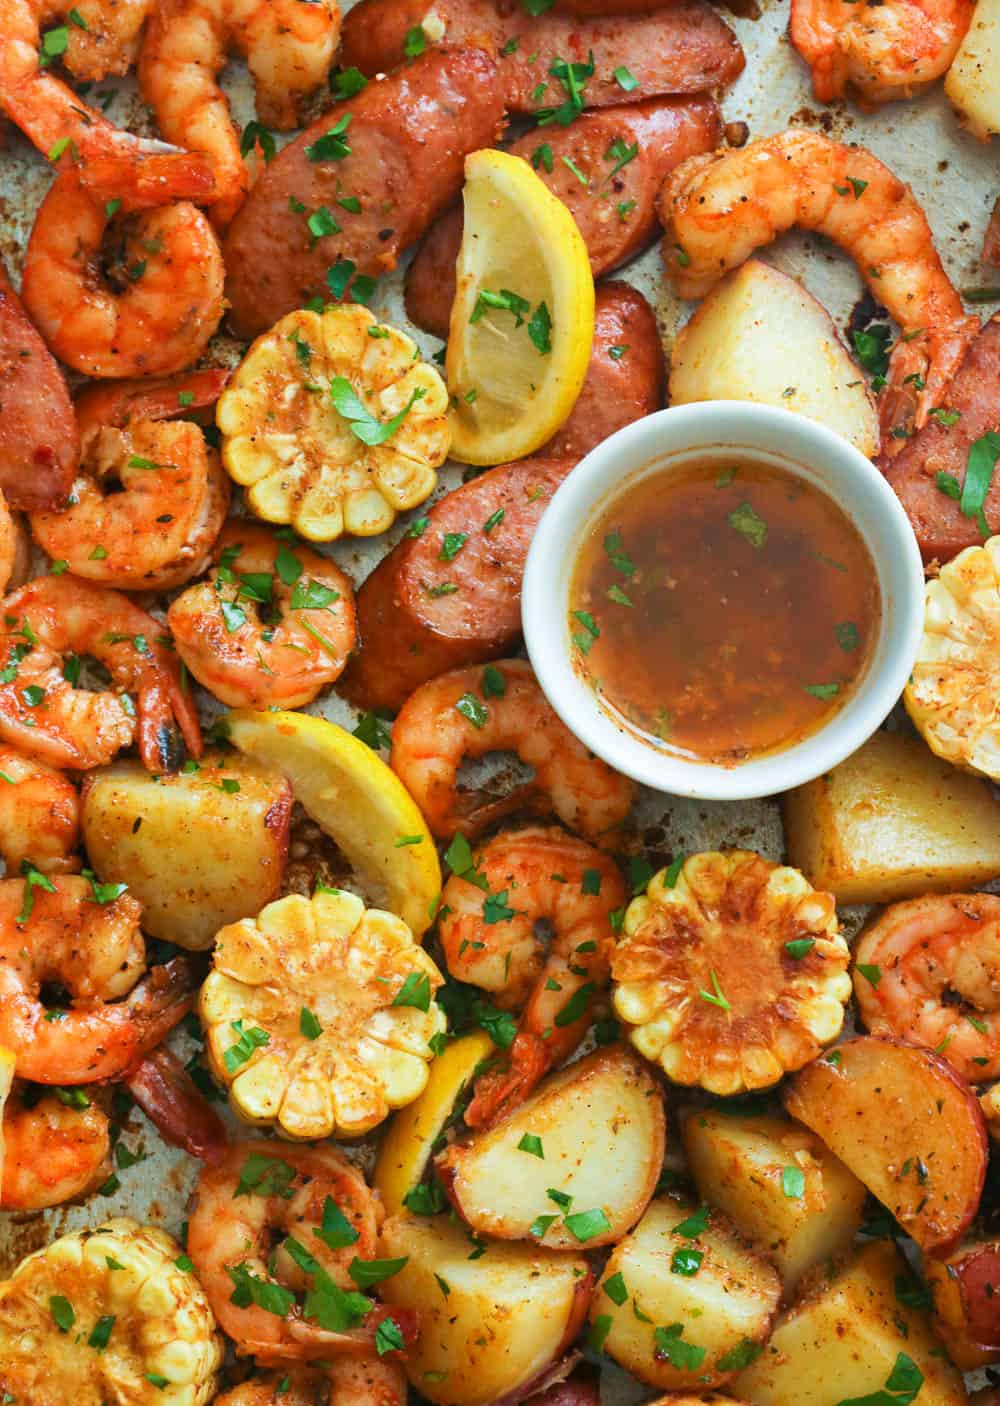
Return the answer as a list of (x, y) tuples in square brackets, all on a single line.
[(971, 83), (893, 821), (583, 1151), (778, 1183), (198, 849), (966, 1290), (760, 336), (490, 1324), (906, 1125), (684, 1302), (852, 1338)]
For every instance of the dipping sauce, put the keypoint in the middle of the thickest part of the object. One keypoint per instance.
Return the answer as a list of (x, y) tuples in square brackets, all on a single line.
[(724, 609)]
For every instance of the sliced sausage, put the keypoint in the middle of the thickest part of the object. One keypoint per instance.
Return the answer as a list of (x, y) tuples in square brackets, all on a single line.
[(420, 615), (580, 1389), (400, 156), (625, 378), (940, 448), (684, 48), (39, 444), (607, 167), (991, 243)]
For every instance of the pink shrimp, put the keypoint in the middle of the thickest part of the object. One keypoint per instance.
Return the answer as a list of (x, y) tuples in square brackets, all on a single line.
[(533, 876), (928, 971), (717, 209)]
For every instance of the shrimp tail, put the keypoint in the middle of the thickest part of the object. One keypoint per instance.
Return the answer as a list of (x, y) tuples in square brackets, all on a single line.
[(499, 1091), (920, 371), (314, 1341), (168, 723), (168, 1096), (161, 1000)]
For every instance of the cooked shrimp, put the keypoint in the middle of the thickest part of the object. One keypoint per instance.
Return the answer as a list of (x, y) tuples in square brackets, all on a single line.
[(54, 932), (535, 877), (53, 1152), (882, 51), (176, 1107), (348, 1381), (153, 494), (989, 1102), (717, 209), (273, 625), (469, 712), (928, 970), (47, 110), (288, 47), (259, 1218), (15, 549), (150, 312), (39, 815), (44, 714)]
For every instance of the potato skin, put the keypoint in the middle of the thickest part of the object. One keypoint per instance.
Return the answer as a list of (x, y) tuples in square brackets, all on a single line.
[(194, 851), (906, 1124), (966, 1286)]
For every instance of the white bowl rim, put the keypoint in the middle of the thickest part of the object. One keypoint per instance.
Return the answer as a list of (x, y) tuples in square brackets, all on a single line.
[(808, 448)]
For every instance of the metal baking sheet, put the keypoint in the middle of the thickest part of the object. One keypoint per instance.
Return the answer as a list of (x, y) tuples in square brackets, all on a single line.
[(956, 180)]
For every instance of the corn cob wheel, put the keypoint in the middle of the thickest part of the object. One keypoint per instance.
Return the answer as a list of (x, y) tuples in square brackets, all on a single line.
[(731, 972), (320, 1015), (107, 1315)]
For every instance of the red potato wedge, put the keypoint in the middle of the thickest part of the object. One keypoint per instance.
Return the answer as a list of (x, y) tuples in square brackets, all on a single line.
[(906, 1125), (493, 1324), (966, 1289), (593, 1133)]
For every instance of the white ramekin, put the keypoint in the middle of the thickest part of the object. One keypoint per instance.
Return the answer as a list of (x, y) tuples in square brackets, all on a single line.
[(650, 446)]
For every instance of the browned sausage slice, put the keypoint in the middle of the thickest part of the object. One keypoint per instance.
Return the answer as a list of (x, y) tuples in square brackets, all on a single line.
[(420, 615), (625, 378), (685, 48), (580, 1389), (607, 167), (941, 448), (39, 444), (397, 160)]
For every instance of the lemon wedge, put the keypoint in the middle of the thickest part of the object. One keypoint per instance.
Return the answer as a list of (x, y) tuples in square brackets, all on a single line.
[(353, 796), (522, 322), (407, 1146)]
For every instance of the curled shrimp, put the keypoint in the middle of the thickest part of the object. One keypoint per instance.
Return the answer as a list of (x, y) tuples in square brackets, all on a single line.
[(15, 549), (469, 712), (254, 1214), (347, 1381), (883, 51), (53, 1151), (150, 308), (47, 110), (54, 932), (273, 625), (928, 971), (717, 209), (152, 493), (535, 877), (288, 47), (43, 713), (39, 815)]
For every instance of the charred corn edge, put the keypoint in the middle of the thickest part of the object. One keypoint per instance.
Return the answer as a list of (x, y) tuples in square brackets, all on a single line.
[(171, 1328), (653, 1019), (339, 781), (568, 266)]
